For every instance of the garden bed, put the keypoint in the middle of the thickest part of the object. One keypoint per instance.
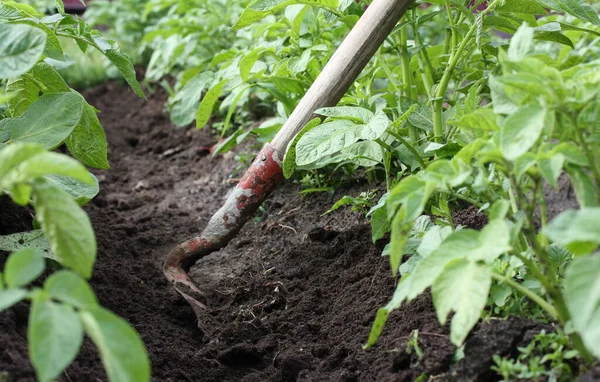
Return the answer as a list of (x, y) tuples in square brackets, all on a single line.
[(293, 295)]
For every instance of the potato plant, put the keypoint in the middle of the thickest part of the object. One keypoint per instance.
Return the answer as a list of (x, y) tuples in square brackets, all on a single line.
[(478, 120), (481, 102), (40, 113)]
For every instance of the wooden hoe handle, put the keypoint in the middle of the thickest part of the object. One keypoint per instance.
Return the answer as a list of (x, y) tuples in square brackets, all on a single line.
[(265, 172)]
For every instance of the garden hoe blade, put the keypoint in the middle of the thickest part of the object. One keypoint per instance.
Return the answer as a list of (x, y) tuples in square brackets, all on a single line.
[(265, 173)]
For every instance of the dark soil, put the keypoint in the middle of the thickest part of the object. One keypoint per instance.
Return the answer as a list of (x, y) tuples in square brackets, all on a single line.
[(293, 295)]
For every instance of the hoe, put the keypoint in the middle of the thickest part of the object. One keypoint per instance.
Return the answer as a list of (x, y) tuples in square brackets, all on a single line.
[(265, 173)]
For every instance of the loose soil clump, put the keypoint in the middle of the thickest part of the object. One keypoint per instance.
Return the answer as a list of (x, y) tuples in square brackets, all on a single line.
[(293, 296)]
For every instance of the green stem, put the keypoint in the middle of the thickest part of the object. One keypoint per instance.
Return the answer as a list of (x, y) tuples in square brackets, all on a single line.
[(591, 157), (410, 147), (467, 199), (407, 78), (438, 122), (388, 72), (547, 276), (528, 293)]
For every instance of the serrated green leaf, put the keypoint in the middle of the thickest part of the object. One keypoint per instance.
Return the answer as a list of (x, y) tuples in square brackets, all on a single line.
[(66, 226), (121, 349), (578, 231), (462, 287), (71, 289), (22, 267), (208, 104), (49, 120), (582, 295), (21, 46), (9, 297), (55, 335), (521, 130)]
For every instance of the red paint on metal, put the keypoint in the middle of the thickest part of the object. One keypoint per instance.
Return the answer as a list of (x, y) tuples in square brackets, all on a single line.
[(261, 178)]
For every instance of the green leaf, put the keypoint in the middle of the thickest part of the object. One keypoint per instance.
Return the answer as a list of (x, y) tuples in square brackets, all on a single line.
[(52, 48), (357, 114), (521, 130), (432, 239), (55, 335), (289, 161), (462, 287), (50, 77), (186, 101), (49, 120), (401, 227), (521, 43), (582, 295), (26, 91), (9, 297), (21, 46), (480, 119), (15, 154), (551, 167), (46, 163), (585, 190), (468, 244), (577, 231), (87, 142), (71, 289), (120, 60), (208, 103), (30, 239), (23, 267), (259, 9), (379, 224), (422, 118), (121, 349), (80, 191), (577, 8), (326, 139), (66, 226)]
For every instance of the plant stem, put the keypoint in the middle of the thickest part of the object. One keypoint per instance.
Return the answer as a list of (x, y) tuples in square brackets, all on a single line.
[(410, 147), (591, 157), (407, 79), (547, 276), (456, 53), (528, 293), (391, 76)]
